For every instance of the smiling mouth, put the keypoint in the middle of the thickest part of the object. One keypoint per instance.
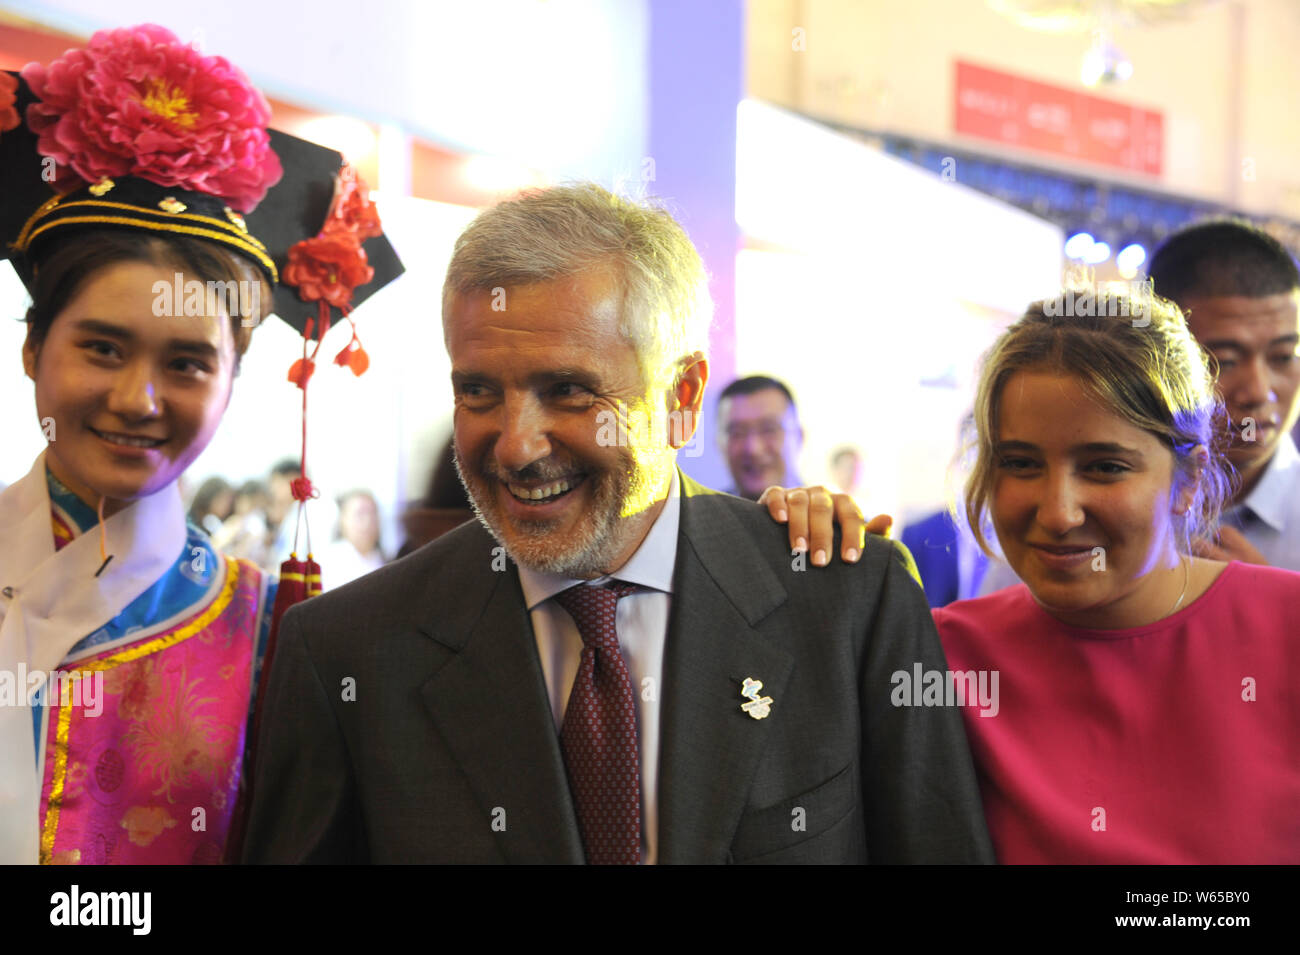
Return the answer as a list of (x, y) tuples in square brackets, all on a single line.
[(545, 493), (129, 440)]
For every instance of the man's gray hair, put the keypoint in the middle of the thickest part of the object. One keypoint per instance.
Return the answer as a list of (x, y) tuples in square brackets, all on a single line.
[(552, 233)]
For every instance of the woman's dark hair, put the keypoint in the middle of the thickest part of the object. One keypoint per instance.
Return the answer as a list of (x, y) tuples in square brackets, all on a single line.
[(252, 489), (443, 506), (446, 489), (208, 491), (64, 267)]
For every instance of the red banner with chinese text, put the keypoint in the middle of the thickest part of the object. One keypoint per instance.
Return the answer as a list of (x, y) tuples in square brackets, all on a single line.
[(990, 104)]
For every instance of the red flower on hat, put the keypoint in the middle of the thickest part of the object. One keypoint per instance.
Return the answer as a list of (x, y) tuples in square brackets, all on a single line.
[(327, 268), (9, 118), (352, 211), (138, 102)]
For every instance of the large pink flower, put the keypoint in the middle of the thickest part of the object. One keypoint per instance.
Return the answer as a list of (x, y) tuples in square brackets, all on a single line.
[(9, 118), (138, 102)]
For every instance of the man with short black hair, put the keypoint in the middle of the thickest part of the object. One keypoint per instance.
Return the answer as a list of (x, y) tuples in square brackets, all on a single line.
[(1240, 291), (760, 435)]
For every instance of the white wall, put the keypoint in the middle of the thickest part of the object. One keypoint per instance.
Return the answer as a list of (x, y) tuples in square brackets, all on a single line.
[(20, 432)]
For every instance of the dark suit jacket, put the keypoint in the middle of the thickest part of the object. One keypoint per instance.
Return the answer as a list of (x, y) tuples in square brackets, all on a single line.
[(448, 750)]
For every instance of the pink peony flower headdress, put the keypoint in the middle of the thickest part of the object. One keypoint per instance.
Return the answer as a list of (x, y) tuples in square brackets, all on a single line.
[(138, 102)]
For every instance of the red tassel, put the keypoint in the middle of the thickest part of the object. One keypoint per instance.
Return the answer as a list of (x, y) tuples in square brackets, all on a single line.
[(299, 580), (353, 356), (300, 372), (302, 489)]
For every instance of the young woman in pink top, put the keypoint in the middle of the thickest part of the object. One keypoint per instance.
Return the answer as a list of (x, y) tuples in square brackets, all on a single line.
[(1147, 709)]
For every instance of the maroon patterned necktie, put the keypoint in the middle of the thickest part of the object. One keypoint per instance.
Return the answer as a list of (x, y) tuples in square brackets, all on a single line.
[(599, 736)]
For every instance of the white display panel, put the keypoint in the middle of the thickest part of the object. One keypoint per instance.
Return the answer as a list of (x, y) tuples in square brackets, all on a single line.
[(872, 287)]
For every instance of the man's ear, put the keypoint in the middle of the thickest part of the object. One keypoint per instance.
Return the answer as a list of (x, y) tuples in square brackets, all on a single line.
[(688, 399), (31, 352)]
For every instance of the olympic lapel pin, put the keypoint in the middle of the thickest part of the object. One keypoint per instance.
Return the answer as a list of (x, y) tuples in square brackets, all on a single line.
[(758, 706)]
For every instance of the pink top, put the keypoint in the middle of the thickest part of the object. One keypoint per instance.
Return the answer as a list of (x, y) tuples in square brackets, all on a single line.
[(1173, 743)]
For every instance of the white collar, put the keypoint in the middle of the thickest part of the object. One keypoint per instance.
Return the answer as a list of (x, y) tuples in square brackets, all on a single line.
[(1270, 498), (51, 600), (651, 566)]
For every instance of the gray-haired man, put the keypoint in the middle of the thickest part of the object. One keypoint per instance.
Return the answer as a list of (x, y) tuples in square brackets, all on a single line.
[(616, 664)]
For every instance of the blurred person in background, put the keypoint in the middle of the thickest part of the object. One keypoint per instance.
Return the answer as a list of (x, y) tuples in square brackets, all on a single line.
[(281, 510), (1240, 290), (952, 566), (244, 533), (951, 563), (355, 550), (213, 502), (445, 506), (760, 435), (1146, 713), (846, 469)]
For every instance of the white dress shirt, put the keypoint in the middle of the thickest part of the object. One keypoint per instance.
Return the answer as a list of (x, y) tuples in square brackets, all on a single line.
[(641, 622), (1269, 518)]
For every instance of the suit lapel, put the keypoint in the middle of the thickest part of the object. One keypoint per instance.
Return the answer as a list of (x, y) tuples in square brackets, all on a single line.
[(490, 706), (710, 749)]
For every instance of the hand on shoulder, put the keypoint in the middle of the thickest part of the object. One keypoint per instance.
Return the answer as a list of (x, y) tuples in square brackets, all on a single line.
[(813, 512)]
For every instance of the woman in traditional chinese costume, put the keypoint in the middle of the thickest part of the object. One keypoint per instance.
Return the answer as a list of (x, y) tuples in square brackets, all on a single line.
[(123, 210)]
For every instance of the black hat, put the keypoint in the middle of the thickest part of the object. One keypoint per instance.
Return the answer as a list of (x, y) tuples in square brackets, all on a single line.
[(291, 219)]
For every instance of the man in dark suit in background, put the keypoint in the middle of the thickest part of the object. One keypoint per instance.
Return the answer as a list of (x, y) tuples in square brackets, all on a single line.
[(615, 664)]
